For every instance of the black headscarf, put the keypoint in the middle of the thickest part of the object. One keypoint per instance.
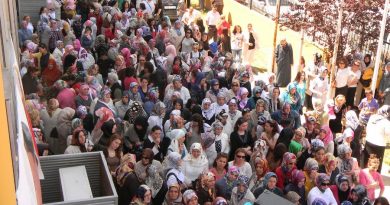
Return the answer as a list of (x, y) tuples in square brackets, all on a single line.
[(143, 122)]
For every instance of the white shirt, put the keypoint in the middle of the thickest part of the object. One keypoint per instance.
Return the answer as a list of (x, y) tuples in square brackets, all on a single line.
[(319, 88), (327, 196), (353, 76), (237, 40), (212, 18), (189, 18), (342, 77), (378, 130), (245, 169), (150, 6)]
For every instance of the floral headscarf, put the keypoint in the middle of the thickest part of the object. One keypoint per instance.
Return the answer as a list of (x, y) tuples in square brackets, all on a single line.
[(351, 119), (328, 135), (210, 112), (242, 180), (127, 166), (267, 177)]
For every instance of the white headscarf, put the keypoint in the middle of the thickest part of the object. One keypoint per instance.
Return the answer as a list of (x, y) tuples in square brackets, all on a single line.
[(210, 112), (351, 119)]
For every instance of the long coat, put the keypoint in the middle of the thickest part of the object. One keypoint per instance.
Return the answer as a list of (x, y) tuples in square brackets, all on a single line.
[(284, 60)]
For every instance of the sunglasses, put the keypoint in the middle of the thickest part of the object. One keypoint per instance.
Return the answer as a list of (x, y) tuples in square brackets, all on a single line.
[(325, 184), (240, 156)]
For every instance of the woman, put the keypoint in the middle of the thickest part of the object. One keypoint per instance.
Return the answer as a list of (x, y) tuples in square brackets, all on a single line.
[(359, 196), (243, 99), (250, 44), (157, 116), (51, 73), (194, 164), (206, 188), (274, 102), (259, 112), (347, 164), (187, 42), (177, 144), (311, 171), (143, 196), (212, 94), (177, 34), (299, 144), (326, 137), (342, 189), (64, 129), (319, 86), (321, 191), (220, 166), (155, 181), (300, 81), (353, 79), (329, 167), (108, 128), (194, 129), (113, 152), (381, 201), (123, 105), (173, 196), (297, 185), (257, 178), (190, 197), (104, 101), (225, 185), (222, 144), (237, 43), (84, 97), (126, 179), (292, 97), (241, 193), (284, 172), (78, 142), (207, 111), (268, 138), (172, 170), (270, 180), (353, 131), (240, 138), (135, 134), (336, 112), (276, 159), (49, 117), (239, 162), (371, 178), (341, 78)]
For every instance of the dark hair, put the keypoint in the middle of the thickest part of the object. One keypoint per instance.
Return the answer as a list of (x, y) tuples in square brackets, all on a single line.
[(298, 76), (149, 154), (117, 151), (149, 66), (274, 126), (199, 119), (235, 29), (41, 10), (42, 45), (239, 122), (155, 128), (123, 5), (142, 6), (219, 156), (129, 72), (239, 150), (279, 151), (381, 200), (75, 139)]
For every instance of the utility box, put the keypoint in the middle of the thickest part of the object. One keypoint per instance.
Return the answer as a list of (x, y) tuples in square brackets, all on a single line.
[(91, 172)]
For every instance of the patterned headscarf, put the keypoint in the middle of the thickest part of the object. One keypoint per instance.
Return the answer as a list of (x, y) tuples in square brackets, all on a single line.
[(288, 157), (351, 119), (310, 164), (81, 111), (297, 176), (242, 180), (267, 177), (316, 144), (188, 195), (127, 166), (321, 178)]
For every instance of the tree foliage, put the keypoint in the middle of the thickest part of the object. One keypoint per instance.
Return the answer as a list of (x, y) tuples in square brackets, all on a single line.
[(318, 18)]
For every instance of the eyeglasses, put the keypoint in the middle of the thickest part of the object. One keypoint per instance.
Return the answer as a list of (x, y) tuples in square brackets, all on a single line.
[(240, 156), (325, 184), (235, 85)]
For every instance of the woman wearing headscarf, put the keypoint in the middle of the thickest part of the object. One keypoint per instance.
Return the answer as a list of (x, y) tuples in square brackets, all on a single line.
[(311, 171), (274, 102), (225, 185), (243, 99), (82, 54), (297, 185), (172, 168), (135, 134), (269, 183), (342, 189), (194, 163), (66, 96), (123, 105), (176, 34), (284, 172), (115, 86), (51, 73), (173, 196), (326, 136), (336, 110), (64, 129), (291, 96), (157, 115), (321, 191), (257, 178), (241, 193), (371, 178), (319, 86), (212, 94), (143, 196), (177, 142), (347, 164), (108, 128), (207, 111), (153, 98), (84, 97), (126, 179), (190, 197), (359, 196), (104, 100), (329, 167), (206, 189), (143, 165), (49, 116), (353, 131)]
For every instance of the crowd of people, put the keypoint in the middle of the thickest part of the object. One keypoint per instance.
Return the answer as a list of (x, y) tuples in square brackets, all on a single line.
[(175, 109)]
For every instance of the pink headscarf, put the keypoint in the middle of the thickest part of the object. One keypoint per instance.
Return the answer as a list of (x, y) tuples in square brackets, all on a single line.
[(328, 136), (76, 44), (170, 50), (127, 56)]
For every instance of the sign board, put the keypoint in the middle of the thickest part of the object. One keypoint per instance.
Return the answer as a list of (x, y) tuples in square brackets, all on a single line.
[(75, 184)]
